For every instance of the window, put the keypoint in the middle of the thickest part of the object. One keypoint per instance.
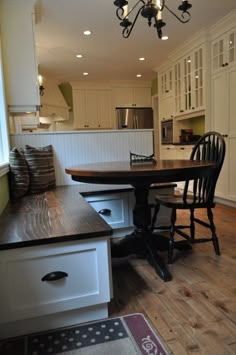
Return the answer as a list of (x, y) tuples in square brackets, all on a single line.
[(4, 137)]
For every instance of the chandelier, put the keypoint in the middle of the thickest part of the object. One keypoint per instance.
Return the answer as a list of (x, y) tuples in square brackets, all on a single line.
[(152, 11)]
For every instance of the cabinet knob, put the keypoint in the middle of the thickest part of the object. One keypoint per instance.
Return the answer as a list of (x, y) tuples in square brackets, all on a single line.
[(225, 135), (54, 276), (105, 212), (181, 111), (193, 108), (226, 64), (182, 148)]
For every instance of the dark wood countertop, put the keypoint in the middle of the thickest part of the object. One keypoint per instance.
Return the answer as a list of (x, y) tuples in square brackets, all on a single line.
[(58, 215)]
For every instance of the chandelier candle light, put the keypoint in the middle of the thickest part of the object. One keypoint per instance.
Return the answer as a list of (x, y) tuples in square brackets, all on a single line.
[(151, 10)]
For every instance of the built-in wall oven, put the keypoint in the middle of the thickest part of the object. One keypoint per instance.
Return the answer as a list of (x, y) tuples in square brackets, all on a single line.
[(167, 132)]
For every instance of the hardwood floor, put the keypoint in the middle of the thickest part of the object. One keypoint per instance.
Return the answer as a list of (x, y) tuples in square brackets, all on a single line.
[(196, 311)]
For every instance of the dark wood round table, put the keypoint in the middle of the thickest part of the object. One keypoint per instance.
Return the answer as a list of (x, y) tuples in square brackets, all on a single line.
[(141, 241)]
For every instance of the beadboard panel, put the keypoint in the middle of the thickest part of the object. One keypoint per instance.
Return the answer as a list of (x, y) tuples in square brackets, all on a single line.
[(72, 148)]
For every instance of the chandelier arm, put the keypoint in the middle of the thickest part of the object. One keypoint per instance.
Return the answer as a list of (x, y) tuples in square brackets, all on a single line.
[(121, 10), (127, 31), (178, 18)]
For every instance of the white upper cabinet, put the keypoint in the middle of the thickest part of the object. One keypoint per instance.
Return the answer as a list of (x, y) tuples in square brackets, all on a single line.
[(19, 58), (132, 96), (92, 109), (224, 51), (189, 83)]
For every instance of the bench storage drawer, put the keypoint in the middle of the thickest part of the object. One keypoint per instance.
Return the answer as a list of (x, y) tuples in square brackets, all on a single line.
[(84, 281), (113, 208)]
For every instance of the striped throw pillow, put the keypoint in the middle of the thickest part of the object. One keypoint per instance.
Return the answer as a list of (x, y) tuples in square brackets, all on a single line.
[(41, 168), (19, 174)]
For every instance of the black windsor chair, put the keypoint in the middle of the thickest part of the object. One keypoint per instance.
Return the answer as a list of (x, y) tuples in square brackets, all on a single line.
[(211, 146)]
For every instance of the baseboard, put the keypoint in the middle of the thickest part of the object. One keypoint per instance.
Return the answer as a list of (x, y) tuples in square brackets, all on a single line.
[(53, 321)]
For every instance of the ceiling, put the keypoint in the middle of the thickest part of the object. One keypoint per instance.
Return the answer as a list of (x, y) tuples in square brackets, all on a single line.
[(106, 54)]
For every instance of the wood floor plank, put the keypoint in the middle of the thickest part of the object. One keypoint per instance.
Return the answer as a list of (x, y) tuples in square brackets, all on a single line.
[(196, 311)]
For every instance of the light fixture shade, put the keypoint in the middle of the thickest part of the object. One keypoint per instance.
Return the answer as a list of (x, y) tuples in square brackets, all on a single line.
[(152, 10)]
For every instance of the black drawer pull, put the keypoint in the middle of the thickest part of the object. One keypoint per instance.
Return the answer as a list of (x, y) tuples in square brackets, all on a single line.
[(55, 275), (105, 212)]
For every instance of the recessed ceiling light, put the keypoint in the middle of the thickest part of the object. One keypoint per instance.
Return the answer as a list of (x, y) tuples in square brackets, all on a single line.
[(87, 33), (164, 38), (79, 56), (138, 75), (141, 59), (85, 73)]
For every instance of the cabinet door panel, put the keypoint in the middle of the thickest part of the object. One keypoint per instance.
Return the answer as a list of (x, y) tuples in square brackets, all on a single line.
[(219, 103), (79, 109), (91, 104), (142, 97), (123, 97), (168, 152), (104, 108)]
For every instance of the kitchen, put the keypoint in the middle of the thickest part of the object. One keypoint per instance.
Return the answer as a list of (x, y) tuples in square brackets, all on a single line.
[(120, 94)]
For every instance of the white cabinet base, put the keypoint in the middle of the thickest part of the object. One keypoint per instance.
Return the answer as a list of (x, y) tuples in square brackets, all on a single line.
[(30, 303), (53, 321)]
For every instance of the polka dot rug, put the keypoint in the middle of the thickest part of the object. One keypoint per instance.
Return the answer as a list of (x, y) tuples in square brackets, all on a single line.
[(127, 335)]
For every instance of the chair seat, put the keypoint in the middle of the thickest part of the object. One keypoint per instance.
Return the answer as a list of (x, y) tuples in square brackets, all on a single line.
[(177, 201)]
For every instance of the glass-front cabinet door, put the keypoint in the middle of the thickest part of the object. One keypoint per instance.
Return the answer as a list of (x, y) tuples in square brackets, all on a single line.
[(224, 51), (177, 89), (198, 81), (189, 83), (166, 79)]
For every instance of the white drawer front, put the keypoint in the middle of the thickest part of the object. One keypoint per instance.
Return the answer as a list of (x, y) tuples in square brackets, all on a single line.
[(26, 295), (114, 208)]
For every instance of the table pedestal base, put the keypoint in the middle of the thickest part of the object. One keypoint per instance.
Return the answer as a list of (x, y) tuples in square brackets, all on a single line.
[(147, 245)]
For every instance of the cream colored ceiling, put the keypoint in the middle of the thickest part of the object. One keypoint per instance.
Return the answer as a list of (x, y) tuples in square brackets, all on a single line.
[(107, 55)]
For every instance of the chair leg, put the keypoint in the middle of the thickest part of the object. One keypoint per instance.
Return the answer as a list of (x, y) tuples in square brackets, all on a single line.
[(192, 225), (156, 210), (172, 233), (213, 231)]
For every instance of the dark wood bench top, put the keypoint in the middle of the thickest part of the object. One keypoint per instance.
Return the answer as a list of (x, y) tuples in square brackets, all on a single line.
[(88, 189), (54, 216)]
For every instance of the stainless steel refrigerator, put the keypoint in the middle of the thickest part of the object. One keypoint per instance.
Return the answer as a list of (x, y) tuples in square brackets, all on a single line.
[(134, 118)]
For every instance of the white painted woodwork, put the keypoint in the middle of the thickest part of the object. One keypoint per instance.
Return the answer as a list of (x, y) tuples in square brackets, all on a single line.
[(223, 103), (20, 64), (170, 151), (224, 51), (189, 82), (24, 295), (223, 121), (118, 204), (79, 147), (92, 108), (166, 82), (132, 96)]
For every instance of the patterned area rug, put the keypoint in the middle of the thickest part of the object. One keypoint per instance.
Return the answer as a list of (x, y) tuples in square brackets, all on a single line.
[(127, 335)]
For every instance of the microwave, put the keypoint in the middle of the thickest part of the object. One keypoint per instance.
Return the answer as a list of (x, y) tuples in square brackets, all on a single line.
[(167, 132)]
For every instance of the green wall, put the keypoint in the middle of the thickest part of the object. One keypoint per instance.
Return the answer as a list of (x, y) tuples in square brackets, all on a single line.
[(198, 125), (66, 91), (154, 87), (4, 192)]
